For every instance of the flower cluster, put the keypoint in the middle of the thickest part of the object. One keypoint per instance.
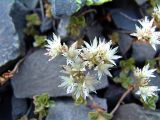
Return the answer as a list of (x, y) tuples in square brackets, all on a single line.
[(146, 32), (78, 80), (156, 13), (143, 78)]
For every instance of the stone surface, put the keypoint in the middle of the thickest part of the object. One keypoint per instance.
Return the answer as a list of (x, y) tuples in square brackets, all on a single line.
[(113, 94), (67, 110), (37, 75), (133, 111), (62, 27), (93, 29), (46, 24), (61, 8), (140, 2), (19, 107), (18, 18), (121, 21), (125, 42), (30, 4), (142, 52), (10, 44)]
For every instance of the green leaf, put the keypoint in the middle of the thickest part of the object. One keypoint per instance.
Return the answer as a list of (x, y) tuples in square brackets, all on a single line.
[(150, 103), (97, 2), (42, 104), (127, 64), (39, 40), (124, 77), (151, 63), (93, 115), (33, 19), (80, 101), (76, 25), (99, 115)]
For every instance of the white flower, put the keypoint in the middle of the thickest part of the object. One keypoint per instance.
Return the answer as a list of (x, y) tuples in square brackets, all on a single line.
[(83, 89), (109, 53), (144, 74), (90, 50), (99, 53), (146, 32), (103, 69), (154, 40), (72, 53), (156, 12), (147, 91), (68, 82), (54, 47), (79, 89)]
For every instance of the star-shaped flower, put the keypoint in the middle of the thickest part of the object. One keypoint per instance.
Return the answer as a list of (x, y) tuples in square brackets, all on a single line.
[(147, 91), (54, 47), (147, 32)]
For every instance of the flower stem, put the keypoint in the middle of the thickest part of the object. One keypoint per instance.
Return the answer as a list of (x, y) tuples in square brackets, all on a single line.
[(121, 99), (95, 105)]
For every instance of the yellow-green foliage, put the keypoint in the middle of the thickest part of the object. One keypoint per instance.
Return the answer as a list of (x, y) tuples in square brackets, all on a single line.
[(80, 101), (97, 2), (99, 115), (75, 25), (42, 104), (126, 67), (150, 103), (39, 40), (32, 21)]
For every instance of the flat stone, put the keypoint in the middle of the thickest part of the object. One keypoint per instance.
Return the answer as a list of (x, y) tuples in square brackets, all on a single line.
[(19, 107), (123, 22), (113, 94), (125, 42), (38, 75), (30, 4), (67, 110), (10, 44), (61, 8), (133, 111), (62, 27), (140, 2), (142, 52), (46, 24), (93, 30)]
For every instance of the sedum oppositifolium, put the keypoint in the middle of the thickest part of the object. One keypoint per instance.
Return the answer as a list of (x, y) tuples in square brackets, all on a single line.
[(87, 63)]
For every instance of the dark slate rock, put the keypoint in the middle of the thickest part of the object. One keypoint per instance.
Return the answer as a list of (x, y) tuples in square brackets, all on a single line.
[(140, 2), (93, 30), (19, 107), (10, 44), (113, 94), (37, 75), (142, 52), (46, 24), (18, 18), (62, 8), (123, 22), (67, 110), (133, 111), (30, 4), (62, 27), (125, 42)]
